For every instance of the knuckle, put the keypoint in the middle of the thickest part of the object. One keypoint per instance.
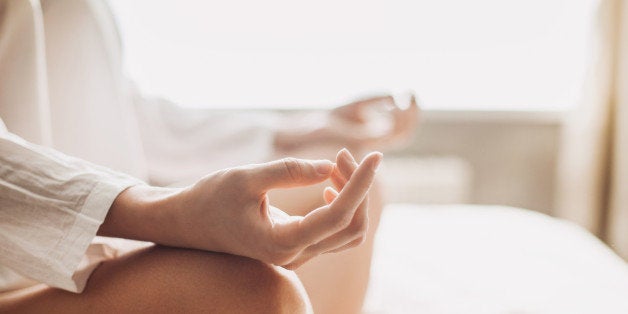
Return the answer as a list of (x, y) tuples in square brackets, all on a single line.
[(291, 267), (281, 254), (280, 258), (235, 175), (295, 264), (356, 242), (293, 168), (226, 181), (240, 177), (361, 227), (358, 227), (344, 221), (360, 240)]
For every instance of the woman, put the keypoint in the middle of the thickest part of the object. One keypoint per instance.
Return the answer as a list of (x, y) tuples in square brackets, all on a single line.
[(61, 85)]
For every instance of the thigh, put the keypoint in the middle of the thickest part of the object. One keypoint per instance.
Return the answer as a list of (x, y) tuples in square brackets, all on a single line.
[(168, 280)]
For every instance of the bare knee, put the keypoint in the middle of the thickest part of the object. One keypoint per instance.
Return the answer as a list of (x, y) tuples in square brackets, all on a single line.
[(285, 292), (206, 281), (168, 280), (264, 288)]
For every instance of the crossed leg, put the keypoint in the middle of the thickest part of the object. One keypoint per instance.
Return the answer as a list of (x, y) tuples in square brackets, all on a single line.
[(169, 280)]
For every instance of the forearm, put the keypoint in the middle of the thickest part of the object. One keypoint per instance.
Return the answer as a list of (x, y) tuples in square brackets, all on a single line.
[(142, 213)]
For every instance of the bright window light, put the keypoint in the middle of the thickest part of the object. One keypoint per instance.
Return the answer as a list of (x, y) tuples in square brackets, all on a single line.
[(456, 54)]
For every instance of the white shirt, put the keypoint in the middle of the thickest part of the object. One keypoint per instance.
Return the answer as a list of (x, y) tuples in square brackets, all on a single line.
[(62, 86), (51, 206)]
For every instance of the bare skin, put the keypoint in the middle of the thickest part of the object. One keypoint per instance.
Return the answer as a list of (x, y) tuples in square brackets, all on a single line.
[(161, 279), (229, 212), (168, 280), (346, 274), (337, 283), (350, 126)]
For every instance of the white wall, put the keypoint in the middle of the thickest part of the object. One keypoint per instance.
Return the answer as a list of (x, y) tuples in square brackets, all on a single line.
[(512, 156)]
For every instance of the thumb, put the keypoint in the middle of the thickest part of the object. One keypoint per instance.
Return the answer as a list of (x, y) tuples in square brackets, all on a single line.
[(290, 172)]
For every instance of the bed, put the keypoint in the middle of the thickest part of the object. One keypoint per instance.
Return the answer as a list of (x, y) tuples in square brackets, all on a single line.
[(490, 259)]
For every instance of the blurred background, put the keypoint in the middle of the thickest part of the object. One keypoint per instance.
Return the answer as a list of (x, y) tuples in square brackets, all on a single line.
[(521, 99)]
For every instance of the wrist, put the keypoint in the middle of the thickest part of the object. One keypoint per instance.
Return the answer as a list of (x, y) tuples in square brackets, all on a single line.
[(141, 212)]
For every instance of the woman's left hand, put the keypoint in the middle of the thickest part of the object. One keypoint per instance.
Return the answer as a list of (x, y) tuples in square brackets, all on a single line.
[(357, 126)]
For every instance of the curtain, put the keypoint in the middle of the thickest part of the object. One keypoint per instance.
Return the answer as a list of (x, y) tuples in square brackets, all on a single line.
[(593, 162), (618, 214), (24, 104)]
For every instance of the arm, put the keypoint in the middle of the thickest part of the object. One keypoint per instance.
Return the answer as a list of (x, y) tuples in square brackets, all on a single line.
[(205, 140), (229, 211), (51, 206), (367, 124)]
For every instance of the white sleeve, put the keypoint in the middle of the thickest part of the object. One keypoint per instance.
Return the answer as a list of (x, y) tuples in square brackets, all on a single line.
[(51, 206), (182, 144)]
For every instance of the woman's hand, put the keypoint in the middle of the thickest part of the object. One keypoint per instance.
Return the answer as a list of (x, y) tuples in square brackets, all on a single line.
[(372, 123), (400, 125), (229, 211)]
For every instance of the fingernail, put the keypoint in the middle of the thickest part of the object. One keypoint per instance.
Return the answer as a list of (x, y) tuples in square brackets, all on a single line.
[(331, 190), (348, 157), (378, 160), (323, 167)]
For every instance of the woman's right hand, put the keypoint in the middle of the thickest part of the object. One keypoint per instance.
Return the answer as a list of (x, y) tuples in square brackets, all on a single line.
[(229, 211)]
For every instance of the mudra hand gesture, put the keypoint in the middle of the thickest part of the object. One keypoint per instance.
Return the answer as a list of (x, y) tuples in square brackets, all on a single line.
[(367, 124), (229, 211)]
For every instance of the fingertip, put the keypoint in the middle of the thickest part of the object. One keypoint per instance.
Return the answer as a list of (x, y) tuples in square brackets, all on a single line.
[(378, 161), (329, 194), (323, 167), (375, 159), (352, 159), (347, 156), (373, 155), (343, 152)]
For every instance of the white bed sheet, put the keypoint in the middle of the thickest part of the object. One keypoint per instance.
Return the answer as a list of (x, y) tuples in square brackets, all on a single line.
[(491, 259)]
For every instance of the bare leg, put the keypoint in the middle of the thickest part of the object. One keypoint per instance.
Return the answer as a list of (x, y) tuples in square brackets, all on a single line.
[(168, 280), (336, 283)]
